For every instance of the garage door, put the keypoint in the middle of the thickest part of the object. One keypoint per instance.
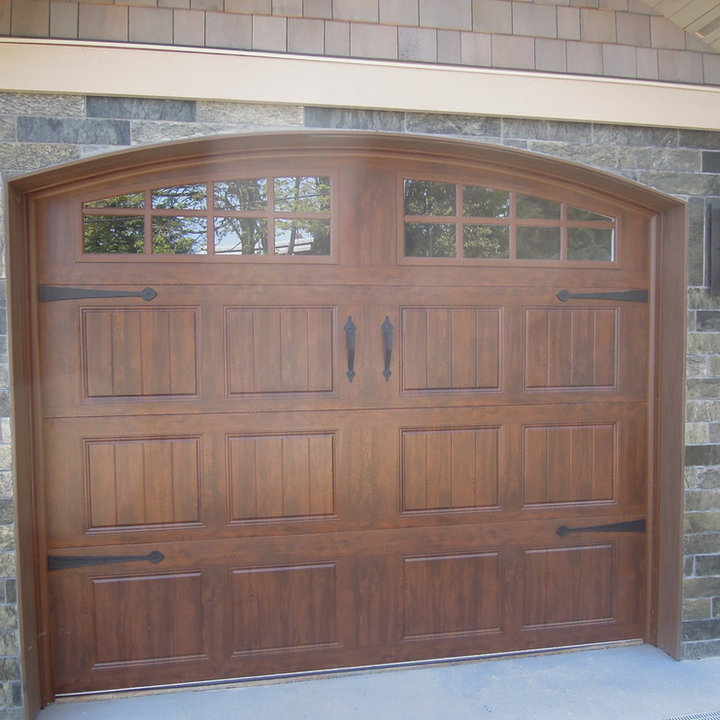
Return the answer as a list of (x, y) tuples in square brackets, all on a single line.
[(305, 410)]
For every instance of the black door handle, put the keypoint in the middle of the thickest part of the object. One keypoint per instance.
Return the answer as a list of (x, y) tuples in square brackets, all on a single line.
[(387, 329), (350, 329)]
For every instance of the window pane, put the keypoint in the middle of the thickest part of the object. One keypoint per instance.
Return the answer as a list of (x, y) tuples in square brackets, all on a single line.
[(485, 202), (114, 234), (538, 243), (241, 236), (302, 194), (179, 235), (486, 241), (580, 214), (181, 197), (241, 195), (430, 240), (423, 197), (537, 208), (302, 237), (133, 200), (591, 244)]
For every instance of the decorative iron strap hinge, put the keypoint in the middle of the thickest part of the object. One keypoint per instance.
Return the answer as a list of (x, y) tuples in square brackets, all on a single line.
[(49, 293), (67, 562), (639, 296), (629, 526)]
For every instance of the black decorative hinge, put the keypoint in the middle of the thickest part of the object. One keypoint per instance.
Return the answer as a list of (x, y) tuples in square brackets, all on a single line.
[(49, 293), (630, 526), (639, 296), (67, 562)]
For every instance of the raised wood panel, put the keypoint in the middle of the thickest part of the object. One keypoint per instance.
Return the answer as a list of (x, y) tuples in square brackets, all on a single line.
[(569, 585), (142, 481), (276, 476), (148, 617), (279, 349), (451, 595), (450, 469), (454, 348), (129, 352), (571, 348), (569, 463), (283, 608)]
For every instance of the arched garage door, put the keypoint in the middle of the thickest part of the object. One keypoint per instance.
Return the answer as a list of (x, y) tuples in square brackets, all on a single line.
[(313, 402)]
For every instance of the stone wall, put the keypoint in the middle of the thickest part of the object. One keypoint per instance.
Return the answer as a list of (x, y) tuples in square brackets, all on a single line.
[(40, 131), (614, 38)]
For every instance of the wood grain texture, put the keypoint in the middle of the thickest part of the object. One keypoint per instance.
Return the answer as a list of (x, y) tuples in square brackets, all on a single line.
[(327, 522)]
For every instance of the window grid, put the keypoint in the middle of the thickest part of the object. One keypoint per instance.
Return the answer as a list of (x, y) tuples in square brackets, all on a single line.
[(600, 229), (279, 222)]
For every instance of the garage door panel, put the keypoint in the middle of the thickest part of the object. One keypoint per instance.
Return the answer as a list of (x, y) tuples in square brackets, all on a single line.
[(570, 463), (571, 348), (137, 483), (140, 351), (452, 595), (588, 583), (280, 349), (584, 350), (283, 608), (569, 585), (126, 606), (281, 476), (102, 622), (367, 597), (275, 471), (451, 348), (450, 469), (143, 482)]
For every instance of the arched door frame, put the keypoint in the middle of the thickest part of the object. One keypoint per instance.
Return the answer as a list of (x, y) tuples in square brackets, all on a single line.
[(668, 302)]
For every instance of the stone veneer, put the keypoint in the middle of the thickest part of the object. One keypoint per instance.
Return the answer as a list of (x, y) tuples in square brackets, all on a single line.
[(40, 131)]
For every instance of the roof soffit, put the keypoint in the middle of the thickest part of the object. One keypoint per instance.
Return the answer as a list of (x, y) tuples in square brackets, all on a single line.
[(698, 17)]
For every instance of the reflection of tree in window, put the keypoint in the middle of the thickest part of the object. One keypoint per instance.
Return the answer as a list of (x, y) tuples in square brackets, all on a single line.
[(241, 235), (181, 197), (591, 244), (179, 235), (115, 233), (482, 202), (537, 208), (486, 241), (184, 235), (425, 197), (307, 196), (430, 240), (241, 195), (243, 214)]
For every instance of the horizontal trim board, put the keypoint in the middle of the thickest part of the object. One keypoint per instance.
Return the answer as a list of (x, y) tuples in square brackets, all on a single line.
[(188, 73)]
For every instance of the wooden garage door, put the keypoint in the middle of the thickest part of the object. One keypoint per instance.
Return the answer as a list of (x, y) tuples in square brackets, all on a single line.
[(313, 410)]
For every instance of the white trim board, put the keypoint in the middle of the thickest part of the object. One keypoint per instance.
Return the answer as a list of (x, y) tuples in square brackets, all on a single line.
[(93, 68)]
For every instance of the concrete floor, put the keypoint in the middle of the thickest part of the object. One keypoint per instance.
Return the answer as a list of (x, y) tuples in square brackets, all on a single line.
[(611, 683)]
